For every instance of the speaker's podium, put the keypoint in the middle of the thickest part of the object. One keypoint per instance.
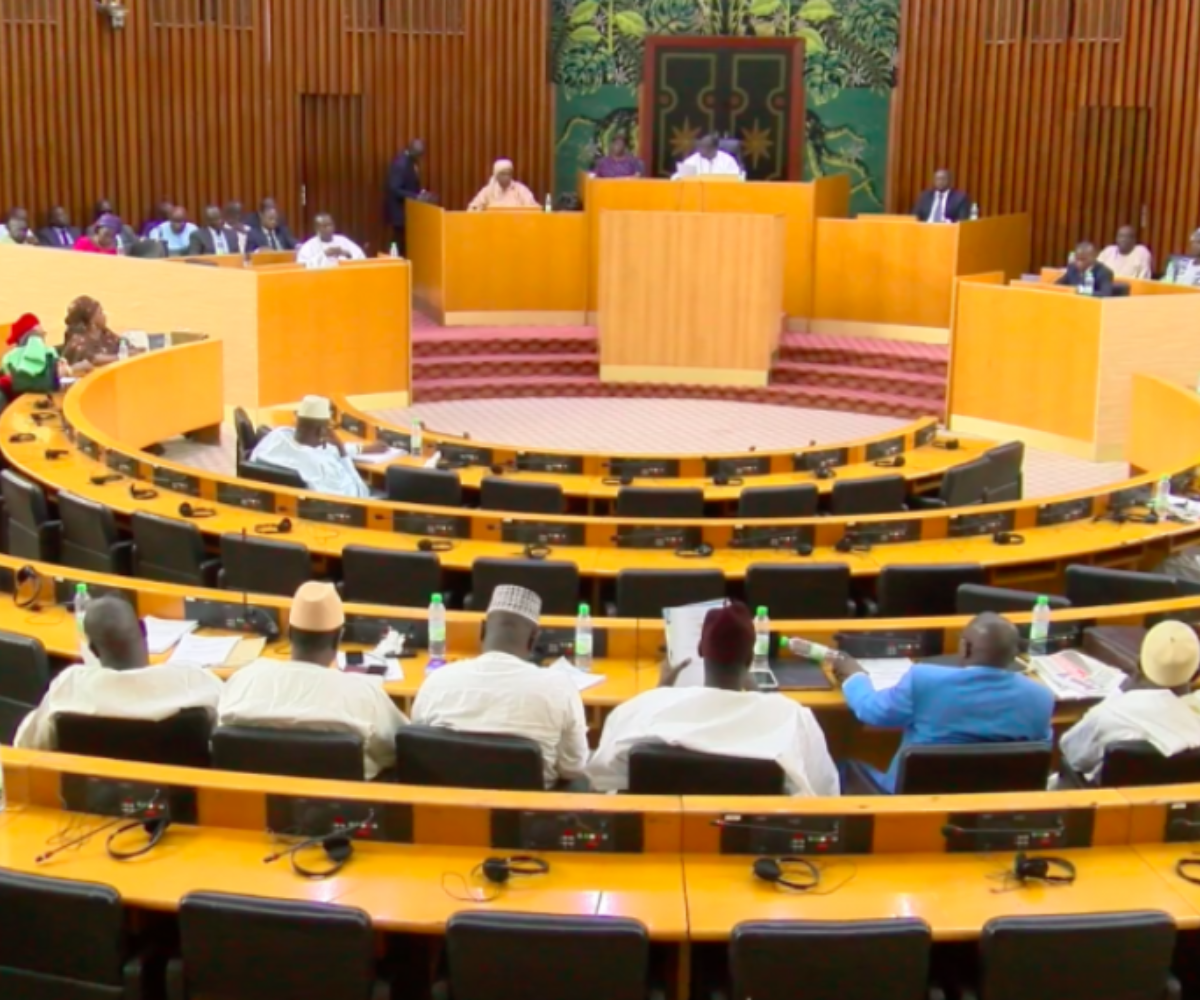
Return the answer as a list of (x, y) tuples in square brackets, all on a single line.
[(690, 297)]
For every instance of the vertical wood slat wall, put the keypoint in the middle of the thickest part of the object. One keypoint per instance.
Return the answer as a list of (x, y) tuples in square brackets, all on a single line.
[(1085, 113), (199, 101)]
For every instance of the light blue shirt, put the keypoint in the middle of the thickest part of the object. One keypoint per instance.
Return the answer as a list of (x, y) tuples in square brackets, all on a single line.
[(935, 704), (177, 243)]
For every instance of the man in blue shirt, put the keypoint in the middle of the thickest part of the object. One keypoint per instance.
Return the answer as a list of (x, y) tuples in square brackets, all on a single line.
[(983, 701), (176, 233)]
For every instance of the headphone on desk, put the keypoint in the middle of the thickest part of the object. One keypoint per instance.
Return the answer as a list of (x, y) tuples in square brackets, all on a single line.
[(337, 845), (782, 872), (23, 576), (1046, 869), (1008, 538), (851, 543), (701, 551), (155, 830), (824, 472), (500, 870), (432, 545), (891, 462), (721, 479), (537, 551), (281, 527), (142, 492), (196, 512)]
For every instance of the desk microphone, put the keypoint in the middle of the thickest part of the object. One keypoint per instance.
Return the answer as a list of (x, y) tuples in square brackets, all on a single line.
[(951, 830)]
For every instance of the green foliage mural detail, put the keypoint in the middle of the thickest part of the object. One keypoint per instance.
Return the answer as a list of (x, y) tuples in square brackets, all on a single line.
[(596, 59)]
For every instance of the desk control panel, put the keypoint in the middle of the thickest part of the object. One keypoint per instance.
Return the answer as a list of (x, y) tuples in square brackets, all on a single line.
[(126, 465), (825, 458), (231, 616), (575, 832), (387, 822), (889, 643), (884, 532), (643, 468), (332, 512), (657, 538), (748, 465), (1019, 831), (783, 537), (431, 525), (1062, 635), (1182, 824), (561, 465), (65, 587), (353, 425), (462, 455), (541, 533), (177, 482), (86, 793), (775, 834), (246, 497), (367, 630), (1131, 496), (970, 525), (86, 445), (1064, 511), (926, 435), (394, 439), (886, 448), (555, 642)]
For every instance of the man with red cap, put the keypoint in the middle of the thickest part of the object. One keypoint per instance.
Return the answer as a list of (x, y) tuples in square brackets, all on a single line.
[(726, 716)]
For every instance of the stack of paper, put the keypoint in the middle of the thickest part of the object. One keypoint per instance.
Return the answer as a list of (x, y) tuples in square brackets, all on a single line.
[(162, 634), (886, 673), (1073, 675), (580, 678), (684, 626), (204, 651)]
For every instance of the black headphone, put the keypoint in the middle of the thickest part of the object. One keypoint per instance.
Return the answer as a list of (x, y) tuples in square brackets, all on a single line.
[(24, 575), (500, 870), (155, 829), (1051, 870), (1184, 868), (337, 845), (804, 548), (42, 418), (142, 492), (947, 444), (824, 472), (281, 527), (701, 551), (187, 510), (23, 438), (45, 403), (773, 870), (721, 479), (891, 462), (850, 543), (1008, 538), (53, 453), (623, 480), (105, 478), (537, 551), (432, 545)]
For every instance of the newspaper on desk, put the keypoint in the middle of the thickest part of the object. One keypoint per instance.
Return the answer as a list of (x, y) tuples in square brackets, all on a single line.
[(886, 672), (684, 625), (582, 679), (1075, 676)]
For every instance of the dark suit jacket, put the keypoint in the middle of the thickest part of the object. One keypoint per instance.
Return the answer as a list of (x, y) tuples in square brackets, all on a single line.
[(1102, 278), (202, 241), (958, 206), (50, 237), (404, 182), (258, 238)]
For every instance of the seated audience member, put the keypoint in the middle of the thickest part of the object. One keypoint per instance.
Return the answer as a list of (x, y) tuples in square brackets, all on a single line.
[(943, 202), (709, 158), (59, 232), (502, 693), (235, 221), (176, 233), (1184, 269), (502, 191), (16, 231), (89, 343), (269, 233), (121, 684), (1149, 710), (619, 162), (214, 237), (313, 449), (308, 691), (124, 236), (254, 218), (328, 247), (1085, 262), (31, 365), (986, 700), (1127, 258), (726, 716), (103, 237), (161, 214)]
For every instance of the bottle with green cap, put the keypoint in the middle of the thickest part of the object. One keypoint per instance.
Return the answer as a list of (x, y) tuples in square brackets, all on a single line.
[(80, 606), (583, 638), (1039, 628), (760, 667), (437, 631)]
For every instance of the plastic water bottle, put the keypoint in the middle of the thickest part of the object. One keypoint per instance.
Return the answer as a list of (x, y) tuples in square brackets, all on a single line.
[(416, 439), (395, 250), (974, 211), (583, 638), (123, 349), (437, 630), (762, 640), (803, 648), (1162, 496), (1089, 284), (82, 600), (549, 203), (1039, 629)]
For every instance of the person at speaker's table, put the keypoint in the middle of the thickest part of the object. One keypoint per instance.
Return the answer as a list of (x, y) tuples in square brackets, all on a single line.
[(619, 163), (1127, 258), (709, 159), (502, 191), (1184, 269), (269, 233), (1084, 264), (328, 247), (943, 202), (58, 232), (176, 233)]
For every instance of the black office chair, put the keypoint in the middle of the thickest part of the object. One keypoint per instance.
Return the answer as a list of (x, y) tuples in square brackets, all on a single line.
[(584, 958), (1090, 586), (962, 486), (556, 583), (247, 436), (778, 501), (643, 593), (831, 960), (181, 739), (430, 755), (877, 495), (263, 566), (31, 532), (975, 599), (1138, 763), (299, 753), (1101, 956), (814, 591), (922, 591), (659, 769), (659, 502), (973, 767), (272, 475), (90, 539), (379, 576), (247, 948), (65, 940), (172, 551), (24, 668), (1006, 478), (12, 714), (498, 493), (432, 487)]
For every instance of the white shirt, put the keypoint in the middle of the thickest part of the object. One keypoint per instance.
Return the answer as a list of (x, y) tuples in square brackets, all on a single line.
[(148, 693), (1163, 718), (312, 252), (505, 695), (285, 694), (707, 720), (699, 166), (322, 469)]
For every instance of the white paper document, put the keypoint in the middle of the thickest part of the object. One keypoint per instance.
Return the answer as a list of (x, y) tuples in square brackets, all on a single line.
[(887, 672), (163, 633), (1074, 676), (684, 625), (381, 457), (580, 678), (204, 651)]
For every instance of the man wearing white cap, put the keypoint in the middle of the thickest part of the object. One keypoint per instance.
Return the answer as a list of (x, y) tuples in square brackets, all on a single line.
[(502, 191), (309, 692), (501, 692), (1152, 710), (312, 449)]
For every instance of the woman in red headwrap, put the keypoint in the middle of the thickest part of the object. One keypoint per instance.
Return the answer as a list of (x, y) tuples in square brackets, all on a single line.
[(31, 365)]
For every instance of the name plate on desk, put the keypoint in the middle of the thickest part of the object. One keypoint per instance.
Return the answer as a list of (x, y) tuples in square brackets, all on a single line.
[(890, 643), (925, 436), (657, 538), (781, 835), (384, 822), (968, 525), (352, 425), (532, 461), (332, 512), (86, 445), (1131, 496), (431, 525), (826, 458), (1018, 831), (394, 439), (578, 832), (127, 465), (179, 482), (1064, 511), (367, 630), (885, 448), (771, 538), (245, 497), (644, 468), (231, 616), (751, 465), (84, 793), (884, 532), (555, 642), (541, 533), (462, 455)]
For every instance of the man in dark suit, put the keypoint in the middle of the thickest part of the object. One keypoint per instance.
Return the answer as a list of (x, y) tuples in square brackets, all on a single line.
[(943, 202), (214, 237), (403, 183), (270, 233), (59, 233), (1084, 264)]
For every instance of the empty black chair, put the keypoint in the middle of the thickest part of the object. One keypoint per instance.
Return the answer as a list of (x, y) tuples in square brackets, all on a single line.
[(1137, 763), (379, 576), (12, 714), (498, 493), (273, 475), (1109, 956), (812, 591), (24, 668), (653, 501), (247, 436), (299, 753), (90, 539), (973, 767), (556, 583), (659, 769), (172, 551), (975, 599), (247, 948), (778, 501), (181, 739), (31, 532), (962, 486), (430, 755), (643, 593), (877, 495), (65, 940), (263, 566), (1090, 586), (434, 487), (922, 591), (584, 958), (1006, 477), (834, 960)]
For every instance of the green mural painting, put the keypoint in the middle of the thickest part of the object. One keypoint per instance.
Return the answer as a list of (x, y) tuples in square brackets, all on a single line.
[(596, 60)]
